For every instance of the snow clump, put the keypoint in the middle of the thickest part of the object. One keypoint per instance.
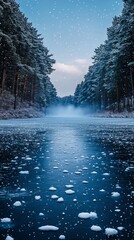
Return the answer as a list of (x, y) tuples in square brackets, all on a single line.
[(61, 237), (5, 220), (48, 228), (85, 215), (60, 199), (37, 197), (115, 194), (54, 197), (52, 189), (9, 238), (111, 231), (24, 172), (69, 191), (96, 228), (17, 204)]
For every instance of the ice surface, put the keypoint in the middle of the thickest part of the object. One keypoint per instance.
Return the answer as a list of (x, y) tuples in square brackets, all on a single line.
[(96, 228), (111, 231), (88, 187), (48, 228)]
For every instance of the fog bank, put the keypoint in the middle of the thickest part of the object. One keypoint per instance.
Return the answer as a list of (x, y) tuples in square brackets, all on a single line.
[(65, 111)]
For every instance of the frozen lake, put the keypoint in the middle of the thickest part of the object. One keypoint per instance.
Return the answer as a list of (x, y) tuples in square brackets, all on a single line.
[(71, 176)]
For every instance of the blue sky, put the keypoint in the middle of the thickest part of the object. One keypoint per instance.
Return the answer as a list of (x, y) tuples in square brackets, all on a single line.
[(71, 29)]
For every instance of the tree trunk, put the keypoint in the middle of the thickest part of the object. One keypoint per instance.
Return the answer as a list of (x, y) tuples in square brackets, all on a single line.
[(15, 90), (132, 87), (3, 78)]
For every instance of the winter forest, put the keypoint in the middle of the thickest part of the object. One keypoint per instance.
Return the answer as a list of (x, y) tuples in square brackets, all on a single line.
[(109, 83), (66, 119), (26, 65)]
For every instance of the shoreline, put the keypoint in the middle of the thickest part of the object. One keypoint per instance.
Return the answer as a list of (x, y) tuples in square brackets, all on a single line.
[(20, 113), (32, 112), (108, 114)]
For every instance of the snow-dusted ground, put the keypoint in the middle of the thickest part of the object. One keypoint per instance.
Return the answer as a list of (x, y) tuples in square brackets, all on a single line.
[(64, 178)]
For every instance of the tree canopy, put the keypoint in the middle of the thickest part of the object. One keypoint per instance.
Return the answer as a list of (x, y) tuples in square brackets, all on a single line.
[(109, 82), (25, 63)]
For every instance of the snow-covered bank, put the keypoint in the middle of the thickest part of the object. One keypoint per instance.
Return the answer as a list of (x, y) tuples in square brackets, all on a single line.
[(29, 112), (109, 114)]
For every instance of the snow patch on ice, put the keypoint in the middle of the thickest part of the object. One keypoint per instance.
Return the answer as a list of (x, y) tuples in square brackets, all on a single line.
[(17, 204), (120, 228), (48, 228), (65, 171), (41, 214), (106, 174), (69, 186), (117, 210), (85, 182), (62, 237), (24, 172), (69, 191), (9, 238), (37, 197), (115, 194), (94, 172), (85, 215), (23, 190), (96, 228), (5, 220), (60, 200), (111, 231), (102, 190), (52, 189), (54, 197)]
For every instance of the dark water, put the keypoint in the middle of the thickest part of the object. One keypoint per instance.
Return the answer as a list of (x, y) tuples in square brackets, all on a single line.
[(89, 154)]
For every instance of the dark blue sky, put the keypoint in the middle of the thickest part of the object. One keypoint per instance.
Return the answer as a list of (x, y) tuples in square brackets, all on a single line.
[(72, 29)]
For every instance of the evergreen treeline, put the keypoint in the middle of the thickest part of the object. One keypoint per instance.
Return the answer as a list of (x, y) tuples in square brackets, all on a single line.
[(65, 101), (109, 83), (25, 64)]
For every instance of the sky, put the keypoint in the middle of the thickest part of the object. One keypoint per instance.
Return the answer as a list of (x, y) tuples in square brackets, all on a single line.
[(71, 29)]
